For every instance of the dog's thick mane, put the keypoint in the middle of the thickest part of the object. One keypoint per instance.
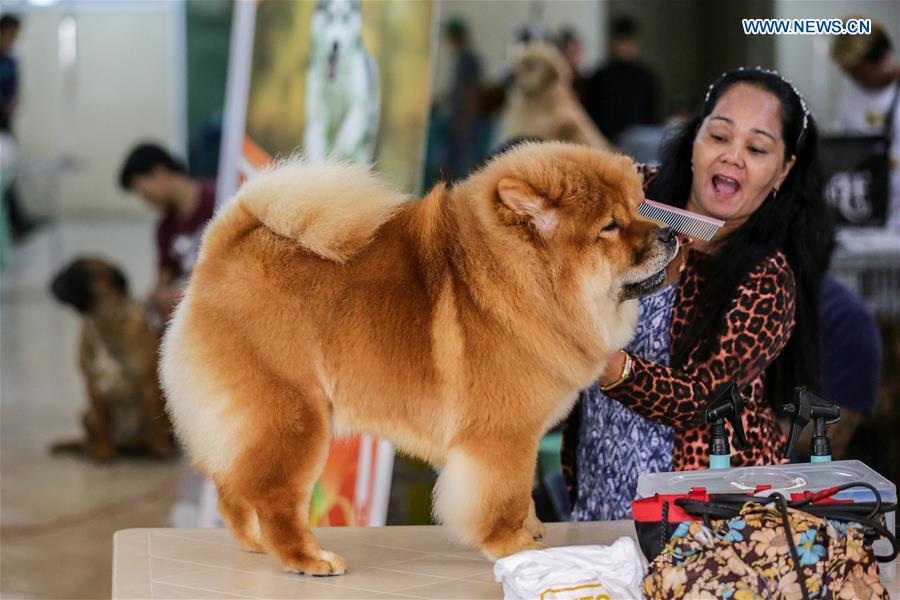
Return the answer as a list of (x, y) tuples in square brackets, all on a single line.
[(331, 208)]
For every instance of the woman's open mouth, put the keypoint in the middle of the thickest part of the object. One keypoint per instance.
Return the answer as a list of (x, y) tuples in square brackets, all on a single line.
[(725, 188)]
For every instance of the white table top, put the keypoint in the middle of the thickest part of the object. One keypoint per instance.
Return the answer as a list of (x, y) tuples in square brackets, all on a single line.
[(384, 562)]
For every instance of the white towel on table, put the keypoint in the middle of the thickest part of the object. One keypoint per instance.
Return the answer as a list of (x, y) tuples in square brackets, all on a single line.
[(597, 572)]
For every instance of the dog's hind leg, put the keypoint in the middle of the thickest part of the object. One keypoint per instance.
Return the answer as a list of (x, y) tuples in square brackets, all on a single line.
[(275, 475), (97, 420), (241, 520)]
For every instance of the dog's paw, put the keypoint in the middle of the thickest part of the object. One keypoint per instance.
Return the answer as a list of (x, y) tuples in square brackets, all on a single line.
[(253, 547), (516, 541), (535, 546), (535, 527), (101, 452), (161, 447), (322, 564)]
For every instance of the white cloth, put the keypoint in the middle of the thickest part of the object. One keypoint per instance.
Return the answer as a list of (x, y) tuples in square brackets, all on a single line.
[(614, 571), (864, 111)]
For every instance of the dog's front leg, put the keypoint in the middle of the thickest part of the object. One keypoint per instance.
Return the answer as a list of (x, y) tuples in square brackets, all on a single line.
[(98, 427), (484, 494), (534, 525), (96, 420)]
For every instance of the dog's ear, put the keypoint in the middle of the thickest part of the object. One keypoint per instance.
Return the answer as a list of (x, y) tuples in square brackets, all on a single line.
[(119, 280), (72, 286), (523, 200)]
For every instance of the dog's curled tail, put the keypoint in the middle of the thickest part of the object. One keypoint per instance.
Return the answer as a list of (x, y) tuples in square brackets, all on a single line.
[(331, 208)]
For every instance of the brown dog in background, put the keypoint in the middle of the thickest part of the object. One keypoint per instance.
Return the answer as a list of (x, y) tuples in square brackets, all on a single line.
[(460, 326), (118, 358), (543, 105)]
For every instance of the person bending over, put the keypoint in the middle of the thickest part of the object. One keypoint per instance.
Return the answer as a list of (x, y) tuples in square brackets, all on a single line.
[(185, 206)]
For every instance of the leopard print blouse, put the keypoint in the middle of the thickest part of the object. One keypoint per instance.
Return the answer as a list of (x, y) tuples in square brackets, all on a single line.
[(757, 327)]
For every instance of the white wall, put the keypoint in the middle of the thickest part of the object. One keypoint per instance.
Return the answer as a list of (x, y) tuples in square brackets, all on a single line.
[(806, 59), (492, 23), (128, 86)]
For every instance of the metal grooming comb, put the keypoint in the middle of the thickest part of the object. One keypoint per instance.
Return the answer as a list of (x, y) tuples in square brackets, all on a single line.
[(683, 221)]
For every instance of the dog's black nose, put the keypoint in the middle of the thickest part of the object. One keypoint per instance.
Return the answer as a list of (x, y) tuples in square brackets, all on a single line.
[(666, 235)]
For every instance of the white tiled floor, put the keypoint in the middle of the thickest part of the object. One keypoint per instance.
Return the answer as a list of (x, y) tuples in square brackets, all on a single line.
[(58, 514)]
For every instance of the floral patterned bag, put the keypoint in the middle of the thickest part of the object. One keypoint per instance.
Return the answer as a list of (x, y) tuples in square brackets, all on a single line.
[(767, 551)]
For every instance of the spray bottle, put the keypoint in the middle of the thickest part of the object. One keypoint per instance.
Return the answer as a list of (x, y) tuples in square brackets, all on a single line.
[(726, 404), (807, 407)]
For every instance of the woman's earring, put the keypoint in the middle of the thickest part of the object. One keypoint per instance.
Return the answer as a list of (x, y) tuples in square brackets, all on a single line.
[(774, 193), (684, 252)]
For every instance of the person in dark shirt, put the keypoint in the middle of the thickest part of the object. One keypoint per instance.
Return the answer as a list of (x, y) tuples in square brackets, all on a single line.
[(185, 204), (569, 43), (9, 70), (20, 223), (851, 361), (623, 92), (462, 102)]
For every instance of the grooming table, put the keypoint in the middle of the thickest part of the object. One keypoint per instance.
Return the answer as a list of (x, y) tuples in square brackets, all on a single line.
[(385, 562)]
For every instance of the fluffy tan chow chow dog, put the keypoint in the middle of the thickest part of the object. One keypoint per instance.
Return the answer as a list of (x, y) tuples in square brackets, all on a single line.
[(542, 103), (460, 326)]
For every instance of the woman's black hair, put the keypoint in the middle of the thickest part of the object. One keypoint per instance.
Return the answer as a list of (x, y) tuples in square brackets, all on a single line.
[(795, 223)]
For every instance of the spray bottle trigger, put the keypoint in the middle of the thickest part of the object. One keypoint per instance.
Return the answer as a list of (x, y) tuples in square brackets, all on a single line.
[(738, 427), (800, 416)]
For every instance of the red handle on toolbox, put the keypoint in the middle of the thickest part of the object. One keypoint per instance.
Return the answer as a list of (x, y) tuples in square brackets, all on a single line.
[(820, 497), (651, 508)]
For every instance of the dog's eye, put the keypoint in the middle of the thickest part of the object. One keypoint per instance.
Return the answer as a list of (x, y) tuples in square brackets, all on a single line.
[(613, 226)]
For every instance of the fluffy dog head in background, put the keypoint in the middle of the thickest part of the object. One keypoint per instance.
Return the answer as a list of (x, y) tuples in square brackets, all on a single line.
[(86, 280), (543, 104), (540, 67)]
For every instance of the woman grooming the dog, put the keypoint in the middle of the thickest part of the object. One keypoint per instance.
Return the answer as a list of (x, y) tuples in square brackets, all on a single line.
[(742, 307)]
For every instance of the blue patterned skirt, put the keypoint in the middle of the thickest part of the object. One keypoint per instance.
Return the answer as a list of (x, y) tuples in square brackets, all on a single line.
[(616, 445)]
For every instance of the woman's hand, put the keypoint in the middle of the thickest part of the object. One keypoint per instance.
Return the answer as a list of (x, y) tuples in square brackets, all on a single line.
[(616, 364), (613, 370)]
